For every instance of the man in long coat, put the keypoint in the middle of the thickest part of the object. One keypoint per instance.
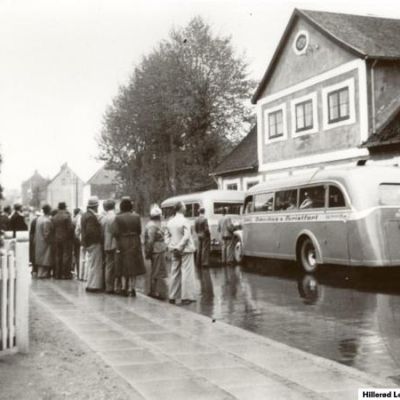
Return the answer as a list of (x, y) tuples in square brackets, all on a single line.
[(63, 235), (180, 243), (91, 239), (226, 229), (43, 241), (203, 234)]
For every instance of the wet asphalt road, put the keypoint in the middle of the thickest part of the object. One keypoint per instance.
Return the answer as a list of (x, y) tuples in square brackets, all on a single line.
[(349, 315)]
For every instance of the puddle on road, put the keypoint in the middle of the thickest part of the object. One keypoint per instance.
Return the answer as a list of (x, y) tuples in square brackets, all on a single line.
[(344, 314)]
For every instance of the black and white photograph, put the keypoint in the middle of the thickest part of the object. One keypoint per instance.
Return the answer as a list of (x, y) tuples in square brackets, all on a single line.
[(199, 199)]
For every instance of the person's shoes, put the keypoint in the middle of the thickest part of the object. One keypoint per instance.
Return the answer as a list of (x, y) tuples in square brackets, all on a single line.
[(172, 301), (155, 296), (186, 302), (91, 290)]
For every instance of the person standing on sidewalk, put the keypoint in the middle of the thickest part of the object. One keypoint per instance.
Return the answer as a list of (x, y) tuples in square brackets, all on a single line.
[(43, 243), (76, 242), (203, 234), (226, 229), (17, 220), (91, 238), (4, 220), (127, 229), (63, 232), (32, 238), (155, 249), (109, 245), (180, 243)]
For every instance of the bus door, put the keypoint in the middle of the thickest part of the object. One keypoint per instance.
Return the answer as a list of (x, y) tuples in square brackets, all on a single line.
[(389, 195), (335, 243), (260, 226)]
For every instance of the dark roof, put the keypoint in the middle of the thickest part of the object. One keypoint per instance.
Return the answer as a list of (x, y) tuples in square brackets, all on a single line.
[(242, 158), (387, 134), (364, 36), (104, 176)]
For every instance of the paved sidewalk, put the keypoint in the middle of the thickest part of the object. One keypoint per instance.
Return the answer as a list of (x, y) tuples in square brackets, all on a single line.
[(166, 352)]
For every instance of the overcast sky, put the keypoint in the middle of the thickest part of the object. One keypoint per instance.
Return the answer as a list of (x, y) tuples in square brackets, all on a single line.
[(63, 60)]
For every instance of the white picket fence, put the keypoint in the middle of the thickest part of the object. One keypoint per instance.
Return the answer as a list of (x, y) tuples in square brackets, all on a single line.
[(14, 294)]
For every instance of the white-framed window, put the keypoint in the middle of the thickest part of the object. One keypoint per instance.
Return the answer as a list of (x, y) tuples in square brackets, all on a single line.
[(275, 124), (232, 184), (339, 104), (304, 112), (250, 182)]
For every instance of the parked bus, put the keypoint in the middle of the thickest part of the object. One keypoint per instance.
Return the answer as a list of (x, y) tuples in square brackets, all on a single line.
[(213, 201), (348, 216)]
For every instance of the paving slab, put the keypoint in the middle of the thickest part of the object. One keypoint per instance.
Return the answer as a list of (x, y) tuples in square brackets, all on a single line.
[(165, 351)]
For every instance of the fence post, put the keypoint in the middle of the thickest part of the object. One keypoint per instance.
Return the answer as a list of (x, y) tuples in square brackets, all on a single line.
[(22, 298)]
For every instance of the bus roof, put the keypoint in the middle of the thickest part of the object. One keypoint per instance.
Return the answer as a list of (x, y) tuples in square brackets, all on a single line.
[(356, 179), (218, 195)]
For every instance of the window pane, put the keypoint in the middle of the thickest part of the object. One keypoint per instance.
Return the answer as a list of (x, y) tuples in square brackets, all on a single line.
[(196, 208), (286, 200), (336, 198), (233, 208), (251, 184), (232, 186), (263, 202), (275, 124), (389, 194), (312, 197), (189, 210)]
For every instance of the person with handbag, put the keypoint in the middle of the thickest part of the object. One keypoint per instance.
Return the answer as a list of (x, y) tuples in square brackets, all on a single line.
[(155, 251)]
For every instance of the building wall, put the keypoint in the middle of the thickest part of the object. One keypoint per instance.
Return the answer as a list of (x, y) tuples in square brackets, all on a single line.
[(311, 74), (321, 55), (66, 187), (386, 90), (34, 190)]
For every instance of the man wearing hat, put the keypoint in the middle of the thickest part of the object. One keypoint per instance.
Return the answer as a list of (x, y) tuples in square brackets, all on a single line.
[(63, 236), (91, 239), (109, 246), (155, 250)]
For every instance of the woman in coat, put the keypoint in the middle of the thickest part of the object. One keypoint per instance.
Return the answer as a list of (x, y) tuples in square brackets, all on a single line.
[(43, 243), (126, 229)]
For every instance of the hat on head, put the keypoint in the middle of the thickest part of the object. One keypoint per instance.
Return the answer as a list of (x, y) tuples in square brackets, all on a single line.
[(93, 201), (155, 211)]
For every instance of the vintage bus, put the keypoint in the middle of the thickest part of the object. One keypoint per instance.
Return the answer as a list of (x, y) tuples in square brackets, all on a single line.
[(213, 201), (348, 216)]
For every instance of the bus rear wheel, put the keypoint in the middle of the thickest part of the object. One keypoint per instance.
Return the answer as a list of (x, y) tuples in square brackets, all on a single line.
[(307, 255)]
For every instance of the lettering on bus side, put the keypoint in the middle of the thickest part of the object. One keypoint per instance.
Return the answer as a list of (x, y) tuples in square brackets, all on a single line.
[(296, 217)]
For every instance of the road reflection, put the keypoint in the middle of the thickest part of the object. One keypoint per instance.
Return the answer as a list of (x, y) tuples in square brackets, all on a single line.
[(345, 314)]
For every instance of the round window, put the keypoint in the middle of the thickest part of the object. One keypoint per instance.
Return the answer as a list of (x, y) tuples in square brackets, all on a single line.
[(301, 42)]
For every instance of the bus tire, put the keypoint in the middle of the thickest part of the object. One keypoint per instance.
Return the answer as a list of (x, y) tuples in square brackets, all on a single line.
[(238, 250), (307, 255)]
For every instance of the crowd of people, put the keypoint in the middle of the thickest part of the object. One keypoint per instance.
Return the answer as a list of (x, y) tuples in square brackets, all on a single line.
[(105, 250)]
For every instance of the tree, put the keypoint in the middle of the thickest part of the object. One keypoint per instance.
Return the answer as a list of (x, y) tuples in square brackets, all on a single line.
[(183, 108)]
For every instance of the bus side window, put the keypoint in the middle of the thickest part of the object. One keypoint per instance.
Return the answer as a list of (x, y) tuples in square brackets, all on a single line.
[(189, 210), (248, 205), (286, 200), (312, 197), (336, 198), (263, 202), (196, 208)]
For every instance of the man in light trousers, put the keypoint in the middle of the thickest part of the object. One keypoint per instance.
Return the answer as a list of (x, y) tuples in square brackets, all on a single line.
[(180, 243)]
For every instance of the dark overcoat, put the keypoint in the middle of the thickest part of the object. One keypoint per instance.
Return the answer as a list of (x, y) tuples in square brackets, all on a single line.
[(127, 229)]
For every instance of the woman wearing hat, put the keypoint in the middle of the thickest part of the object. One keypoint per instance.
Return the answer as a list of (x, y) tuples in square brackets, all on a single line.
[(155, 250), (129, 258)]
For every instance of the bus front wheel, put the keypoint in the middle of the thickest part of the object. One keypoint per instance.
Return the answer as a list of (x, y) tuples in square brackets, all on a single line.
[(238, 250), (307, 255)]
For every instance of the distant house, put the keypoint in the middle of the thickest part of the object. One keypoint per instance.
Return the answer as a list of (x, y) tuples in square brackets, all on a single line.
[(330, 96), (239, 169), (104, 184), (66, 187), (34, 190)]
